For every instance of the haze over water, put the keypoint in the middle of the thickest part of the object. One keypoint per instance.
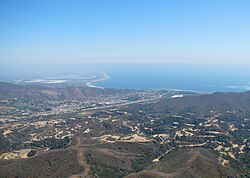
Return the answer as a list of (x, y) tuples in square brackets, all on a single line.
[(187, 45), (205, 78), (197, 77)]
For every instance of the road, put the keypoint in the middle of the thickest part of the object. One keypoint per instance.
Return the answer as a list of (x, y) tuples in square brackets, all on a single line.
[(122, 104)]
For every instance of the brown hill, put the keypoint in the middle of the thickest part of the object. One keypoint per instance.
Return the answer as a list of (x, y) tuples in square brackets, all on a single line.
[(186, 163), (8, 90), (57, 163), (220, 102)]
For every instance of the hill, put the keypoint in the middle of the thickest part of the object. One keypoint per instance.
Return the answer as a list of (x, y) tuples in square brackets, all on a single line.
[(216, 102), (188, 163), (191, 136), (8, 90)]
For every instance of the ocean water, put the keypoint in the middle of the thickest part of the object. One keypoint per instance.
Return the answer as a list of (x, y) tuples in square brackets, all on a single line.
[(205, 78), (196, 77)]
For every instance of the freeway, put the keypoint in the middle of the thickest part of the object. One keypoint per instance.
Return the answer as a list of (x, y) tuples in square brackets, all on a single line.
[(124, 104)]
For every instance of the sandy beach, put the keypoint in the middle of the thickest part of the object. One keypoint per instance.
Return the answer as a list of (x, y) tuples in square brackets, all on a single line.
[(103, 78)]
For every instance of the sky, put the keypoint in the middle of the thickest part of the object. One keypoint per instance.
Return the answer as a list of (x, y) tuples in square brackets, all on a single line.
[(124, 31)]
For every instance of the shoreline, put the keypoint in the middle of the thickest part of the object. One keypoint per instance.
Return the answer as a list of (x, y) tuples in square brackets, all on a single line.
[(103, 78), (106, 77)]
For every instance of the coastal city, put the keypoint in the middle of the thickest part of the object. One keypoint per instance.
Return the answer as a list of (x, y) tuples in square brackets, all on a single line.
[(124, 89), (104, 117)]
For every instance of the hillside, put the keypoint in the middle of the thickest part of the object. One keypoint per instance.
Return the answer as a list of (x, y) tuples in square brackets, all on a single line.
[(192, 136), (219, 102), (188, 163), (8, 90)]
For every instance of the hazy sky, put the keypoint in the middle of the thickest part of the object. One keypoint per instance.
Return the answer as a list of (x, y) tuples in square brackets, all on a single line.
[(108, 31)]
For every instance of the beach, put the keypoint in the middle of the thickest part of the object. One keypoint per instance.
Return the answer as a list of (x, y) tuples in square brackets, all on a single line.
[(103, 78)]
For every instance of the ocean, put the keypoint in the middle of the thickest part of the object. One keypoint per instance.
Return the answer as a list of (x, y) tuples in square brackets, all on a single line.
[(202, 77), (195, 77)]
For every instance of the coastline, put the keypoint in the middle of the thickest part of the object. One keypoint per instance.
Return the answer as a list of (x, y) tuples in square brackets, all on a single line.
[(103, 78)]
